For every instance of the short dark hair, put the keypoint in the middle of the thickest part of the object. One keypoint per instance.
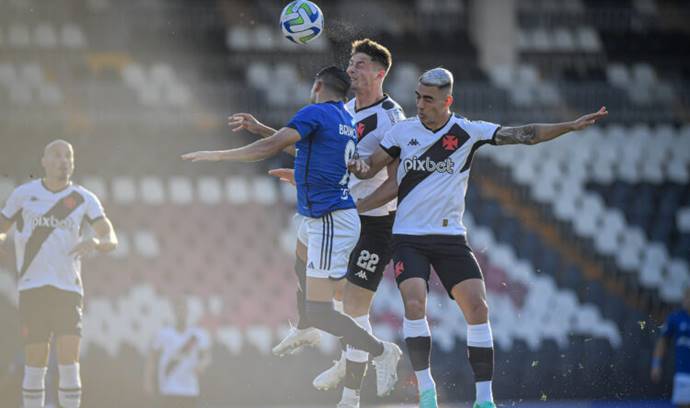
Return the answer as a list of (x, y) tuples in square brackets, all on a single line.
[(374, 50), (335, 79)]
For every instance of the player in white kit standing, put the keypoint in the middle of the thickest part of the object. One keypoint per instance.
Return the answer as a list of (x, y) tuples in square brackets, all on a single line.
[(48, 216), (435, 150), (180, 353)]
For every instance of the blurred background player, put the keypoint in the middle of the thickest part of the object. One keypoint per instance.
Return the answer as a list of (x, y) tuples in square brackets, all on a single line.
[(179, 355), (325, 141), (428, 230), (48, 216), (676, 330)]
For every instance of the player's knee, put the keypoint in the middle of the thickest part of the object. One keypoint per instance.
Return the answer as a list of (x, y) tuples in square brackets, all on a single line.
[(36, 355), (357, 301), (415, 309), (476, 311)]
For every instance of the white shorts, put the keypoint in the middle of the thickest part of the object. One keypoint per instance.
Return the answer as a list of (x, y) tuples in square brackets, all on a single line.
[(681, 389), (329, 241)]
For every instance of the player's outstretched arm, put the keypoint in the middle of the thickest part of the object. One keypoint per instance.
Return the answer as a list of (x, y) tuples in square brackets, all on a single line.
[(248, 122), (383, 194), (259, 150), (368, 168), (104, 241), (541, 132)]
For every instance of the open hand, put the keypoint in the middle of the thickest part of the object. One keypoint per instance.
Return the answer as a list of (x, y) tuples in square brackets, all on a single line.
[(286, 175), (590, 119)]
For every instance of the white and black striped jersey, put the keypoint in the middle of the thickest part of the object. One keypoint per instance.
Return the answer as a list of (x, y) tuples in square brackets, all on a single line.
[(433, 172), (48, 226), (180, 356), (372, 122)]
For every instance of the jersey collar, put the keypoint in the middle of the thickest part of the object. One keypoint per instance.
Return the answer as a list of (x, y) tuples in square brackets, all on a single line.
[(385, 96), (439, 129), (55, 191)]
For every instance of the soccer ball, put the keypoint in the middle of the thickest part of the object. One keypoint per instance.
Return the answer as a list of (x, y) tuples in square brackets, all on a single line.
[(301, 21)]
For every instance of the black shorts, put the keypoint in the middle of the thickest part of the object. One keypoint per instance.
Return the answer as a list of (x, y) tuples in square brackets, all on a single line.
[(48, 311), (372, 253), (450, 256)]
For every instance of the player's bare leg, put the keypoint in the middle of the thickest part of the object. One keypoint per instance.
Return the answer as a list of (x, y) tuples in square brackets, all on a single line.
[(470, 295), (33, 385), (69, 391), (418, 338), (302, 335)]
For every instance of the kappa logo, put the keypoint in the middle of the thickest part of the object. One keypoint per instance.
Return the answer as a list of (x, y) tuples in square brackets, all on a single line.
[(413, 142), (399, 268), (362, 275), (450, 142)]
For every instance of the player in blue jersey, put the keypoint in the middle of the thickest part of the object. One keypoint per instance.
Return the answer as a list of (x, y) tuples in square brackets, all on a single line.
[(325, 140), (676, 330)]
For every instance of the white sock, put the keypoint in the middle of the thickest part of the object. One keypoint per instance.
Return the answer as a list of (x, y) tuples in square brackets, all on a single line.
[(416, 328), (350, 395), (424, 380), (356, 355), (338, 305), (69, 390), (33, 386), (484, 391), (479, 335)]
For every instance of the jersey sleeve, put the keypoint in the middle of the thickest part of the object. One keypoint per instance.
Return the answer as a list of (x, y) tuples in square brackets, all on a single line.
[(484, 131), (94, 208), (668, 330), (306, 121), (390, 143), (13, 206)]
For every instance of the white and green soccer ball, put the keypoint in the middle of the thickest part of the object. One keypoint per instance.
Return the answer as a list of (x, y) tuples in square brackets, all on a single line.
[(301, 21)]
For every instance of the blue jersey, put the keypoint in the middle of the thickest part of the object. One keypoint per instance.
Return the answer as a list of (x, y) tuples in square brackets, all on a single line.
[(677, 330), (327, 142)]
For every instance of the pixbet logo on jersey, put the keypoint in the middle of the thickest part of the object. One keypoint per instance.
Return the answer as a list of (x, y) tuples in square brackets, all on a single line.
[(428, 165), (52, 222)]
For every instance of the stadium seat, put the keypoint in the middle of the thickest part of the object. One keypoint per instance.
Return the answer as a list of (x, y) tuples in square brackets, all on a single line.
[(45, 36), (181, 190), (72, 36)]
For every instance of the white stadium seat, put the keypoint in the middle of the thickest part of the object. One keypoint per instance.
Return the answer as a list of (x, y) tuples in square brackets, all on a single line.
[(237, 190), (210, 190), (152, 191), (181, 190), (124, 190)]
